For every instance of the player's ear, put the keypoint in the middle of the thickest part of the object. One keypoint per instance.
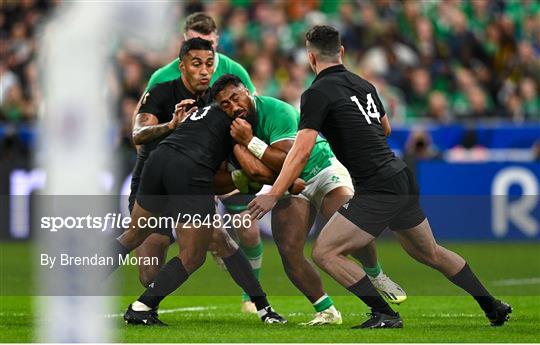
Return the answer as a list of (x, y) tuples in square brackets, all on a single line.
[(181, 66), (341, 52), (312, 59)]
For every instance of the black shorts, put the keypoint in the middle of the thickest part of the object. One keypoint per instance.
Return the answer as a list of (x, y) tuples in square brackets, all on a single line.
[(392, 203), (135, 181), (172, 182)]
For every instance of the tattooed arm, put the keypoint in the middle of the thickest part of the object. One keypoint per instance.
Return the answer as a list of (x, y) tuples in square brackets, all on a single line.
[(148, 129)]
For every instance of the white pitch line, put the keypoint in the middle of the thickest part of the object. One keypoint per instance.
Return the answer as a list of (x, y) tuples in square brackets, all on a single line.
[(451, 315), (13, 314), (515, 282), (169, 311)]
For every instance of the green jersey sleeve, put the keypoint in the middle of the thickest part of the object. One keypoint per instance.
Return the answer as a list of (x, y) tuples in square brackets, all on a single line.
[(279, 119), (166, 73)]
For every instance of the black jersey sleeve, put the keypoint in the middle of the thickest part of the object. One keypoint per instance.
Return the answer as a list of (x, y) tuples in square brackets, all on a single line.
[(314, 107), (378, 102), (153, 101)]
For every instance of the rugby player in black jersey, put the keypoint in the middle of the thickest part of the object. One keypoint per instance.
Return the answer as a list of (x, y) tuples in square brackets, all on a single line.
[(154, 122), (200, 25), (178, 178), (347, 110)]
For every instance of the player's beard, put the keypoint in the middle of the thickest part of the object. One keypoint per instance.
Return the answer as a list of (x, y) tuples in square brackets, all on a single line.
[(252, 117)]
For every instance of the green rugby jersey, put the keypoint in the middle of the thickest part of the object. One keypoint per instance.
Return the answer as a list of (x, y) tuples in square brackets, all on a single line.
[(222, 65), (279, 121)]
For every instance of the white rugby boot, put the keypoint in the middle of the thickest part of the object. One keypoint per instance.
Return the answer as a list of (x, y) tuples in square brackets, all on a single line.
[(330, 316), (391, 291)]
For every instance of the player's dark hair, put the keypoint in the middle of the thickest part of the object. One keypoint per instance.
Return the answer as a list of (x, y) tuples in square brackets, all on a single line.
[(194, 44), (325, 40), (200, 22), (224, 81)]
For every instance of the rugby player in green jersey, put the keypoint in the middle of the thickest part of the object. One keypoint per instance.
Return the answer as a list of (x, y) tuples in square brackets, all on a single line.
[(203, 26), (261, 152)]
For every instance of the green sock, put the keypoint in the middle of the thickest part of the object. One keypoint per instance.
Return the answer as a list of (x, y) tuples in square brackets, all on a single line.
[(373, 271), (323, 303), (254, 256)]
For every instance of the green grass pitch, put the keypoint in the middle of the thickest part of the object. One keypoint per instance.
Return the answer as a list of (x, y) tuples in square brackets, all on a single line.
[(207, 308)]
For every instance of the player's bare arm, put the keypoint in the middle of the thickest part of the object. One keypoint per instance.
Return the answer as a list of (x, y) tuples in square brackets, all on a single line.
[(273, 156), (292, 167), (386, 126), (254, 168), (259, 172), (134, 118), (147, 128)]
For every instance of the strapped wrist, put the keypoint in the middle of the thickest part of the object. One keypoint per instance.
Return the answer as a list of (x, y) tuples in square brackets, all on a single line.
[(257, 147)]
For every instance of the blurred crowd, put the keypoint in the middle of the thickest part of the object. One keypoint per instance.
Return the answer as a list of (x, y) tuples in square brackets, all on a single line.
[(442, 61)]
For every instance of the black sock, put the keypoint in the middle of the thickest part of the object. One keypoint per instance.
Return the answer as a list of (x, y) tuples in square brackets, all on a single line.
[(468, 281), (365, 290), (169, 278), (242, 273)]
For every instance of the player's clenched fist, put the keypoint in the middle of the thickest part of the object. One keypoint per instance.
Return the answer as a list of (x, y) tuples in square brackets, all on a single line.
[(241, 131), (180, 113)]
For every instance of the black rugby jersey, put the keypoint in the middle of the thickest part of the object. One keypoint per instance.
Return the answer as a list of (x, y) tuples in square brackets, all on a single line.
[(160, 102), (347, 110), (204, 137)]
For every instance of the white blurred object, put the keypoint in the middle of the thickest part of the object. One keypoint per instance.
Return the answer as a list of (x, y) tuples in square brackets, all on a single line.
[(75, 147), (376, 61)]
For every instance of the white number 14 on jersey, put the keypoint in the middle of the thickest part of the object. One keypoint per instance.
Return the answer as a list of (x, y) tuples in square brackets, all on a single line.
[(371, 108)]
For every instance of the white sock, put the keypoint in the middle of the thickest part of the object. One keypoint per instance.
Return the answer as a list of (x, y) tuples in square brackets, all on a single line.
[(378, 275), (323, 297), (332, 309), (138, 306)]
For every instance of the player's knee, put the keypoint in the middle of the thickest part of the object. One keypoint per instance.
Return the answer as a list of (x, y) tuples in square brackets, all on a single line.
[(222, 244), (133, 238), (218, 240), (437, 256), (192, 260), (290, 251), (320, 255), (430, 256), (249, 237)]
